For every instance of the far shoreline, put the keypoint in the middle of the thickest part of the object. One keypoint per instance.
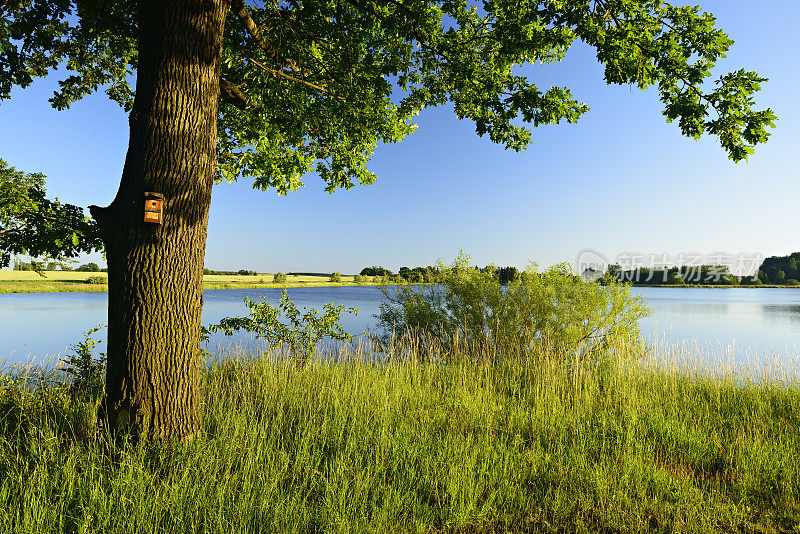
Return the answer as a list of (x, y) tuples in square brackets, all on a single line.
[(93, 282), (77, 284)]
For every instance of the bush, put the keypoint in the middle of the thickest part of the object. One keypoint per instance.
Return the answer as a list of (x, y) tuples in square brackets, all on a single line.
[(793, 282), (87, 373), (279, 278), (360, 279), (555, 308), (335, 277), (301, 335), (96, 280)]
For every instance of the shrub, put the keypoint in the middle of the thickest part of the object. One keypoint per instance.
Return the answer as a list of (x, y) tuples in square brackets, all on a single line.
[(335, 277), (554, 307), (360, 279), (279, 278), (301, 335), (793, 282), (87, 373), (96, 280)]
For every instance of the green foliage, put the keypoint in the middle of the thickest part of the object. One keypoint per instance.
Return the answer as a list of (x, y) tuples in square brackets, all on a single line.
[(301, 335), (90, 267), (96, 280), (375, 271), (676, 279), (554, 307), (32, 224), (330, 80), (506, 275), (418, 275), (279, 278), (87, 372), (780, 269), (361, 279), (335, 277)]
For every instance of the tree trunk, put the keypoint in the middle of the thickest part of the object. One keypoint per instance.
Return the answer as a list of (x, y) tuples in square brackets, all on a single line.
[(155, 271)]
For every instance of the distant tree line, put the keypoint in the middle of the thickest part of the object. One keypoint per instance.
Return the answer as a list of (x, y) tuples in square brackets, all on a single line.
[(715, 275), (90, 267), (775, 270), (240, 272), (781, 270), (375, 271), (430, 274)]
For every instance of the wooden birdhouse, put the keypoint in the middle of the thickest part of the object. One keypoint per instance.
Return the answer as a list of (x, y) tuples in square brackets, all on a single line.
[(153, 208)]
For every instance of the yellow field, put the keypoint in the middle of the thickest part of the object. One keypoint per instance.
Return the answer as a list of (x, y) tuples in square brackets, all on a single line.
[(56, 281), (61, 276)]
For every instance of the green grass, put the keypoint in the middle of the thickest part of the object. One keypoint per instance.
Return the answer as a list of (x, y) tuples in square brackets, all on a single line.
[(71, 281), (528, 444)]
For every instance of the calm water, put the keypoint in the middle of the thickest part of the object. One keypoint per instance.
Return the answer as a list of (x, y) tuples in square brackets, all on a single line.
[(752, 320)]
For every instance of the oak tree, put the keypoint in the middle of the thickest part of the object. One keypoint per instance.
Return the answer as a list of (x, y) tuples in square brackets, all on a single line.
[(271, 91)]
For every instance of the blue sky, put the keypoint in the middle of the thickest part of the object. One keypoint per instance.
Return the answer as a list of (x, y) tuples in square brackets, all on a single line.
[(621, 180)]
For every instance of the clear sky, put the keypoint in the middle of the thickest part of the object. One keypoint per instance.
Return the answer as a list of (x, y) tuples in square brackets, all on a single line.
[(620, 181)]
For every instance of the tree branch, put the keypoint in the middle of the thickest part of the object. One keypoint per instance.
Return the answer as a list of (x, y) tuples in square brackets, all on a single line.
[(290, 77), (231, 94), (252, 28)]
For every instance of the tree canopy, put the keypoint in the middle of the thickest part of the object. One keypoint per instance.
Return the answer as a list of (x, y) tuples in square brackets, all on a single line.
[(315, 85), (32, 224)]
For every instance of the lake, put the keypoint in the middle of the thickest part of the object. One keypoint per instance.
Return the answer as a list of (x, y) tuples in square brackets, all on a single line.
[(745, 321)]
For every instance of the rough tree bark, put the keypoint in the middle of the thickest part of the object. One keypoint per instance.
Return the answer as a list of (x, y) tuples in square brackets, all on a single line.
[(155, 271)]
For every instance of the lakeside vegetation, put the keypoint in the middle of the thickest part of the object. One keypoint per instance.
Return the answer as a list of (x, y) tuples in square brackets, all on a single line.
[(474, 444), (483, 408)]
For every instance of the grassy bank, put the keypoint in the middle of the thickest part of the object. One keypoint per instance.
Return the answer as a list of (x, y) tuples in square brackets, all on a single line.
[(70, 281), (528, 444)]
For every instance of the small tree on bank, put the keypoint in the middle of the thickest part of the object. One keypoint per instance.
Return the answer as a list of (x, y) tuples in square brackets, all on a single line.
[(274, 91), (32, 224)]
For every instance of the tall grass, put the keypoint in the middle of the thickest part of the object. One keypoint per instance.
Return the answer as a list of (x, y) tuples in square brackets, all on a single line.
[(405, 444)]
